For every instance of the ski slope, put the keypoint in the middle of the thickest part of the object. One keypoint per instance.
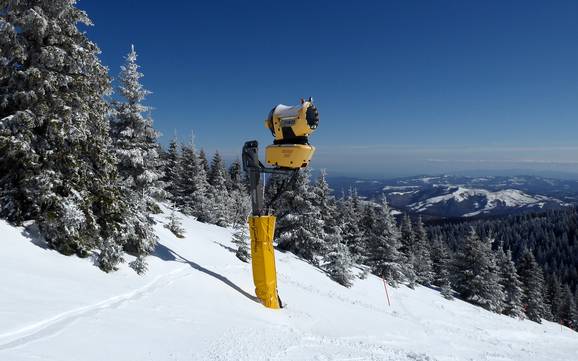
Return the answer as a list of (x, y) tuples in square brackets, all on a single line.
[(196, 303)]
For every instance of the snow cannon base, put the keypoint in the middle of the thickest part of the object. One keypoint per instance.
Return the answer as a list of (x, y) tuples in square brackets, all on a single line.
[(262, 230)]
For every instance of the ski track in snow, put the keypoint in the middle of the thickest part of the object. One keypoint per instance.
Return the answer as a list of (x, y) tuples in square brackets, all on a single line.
[(54, 325)]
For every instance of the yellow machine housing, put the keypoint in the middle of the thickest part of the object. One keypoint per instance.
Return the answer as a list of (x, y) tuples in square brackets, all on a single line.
[(289, 155)]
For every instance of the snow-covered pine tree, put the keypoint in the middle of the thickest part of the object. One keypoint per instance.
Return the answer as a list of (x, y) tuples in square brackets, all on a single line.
[(338, 263), (554, 295), (532, 284), (172, 171), (204, 161), (55, 161), (476, 276), (134, 138), (136, 147), (568, 314), (337, 259), (576, 303), (241, 240), (384, 246), (441, 262), (299, 224), (192, 186), (239, 196), (174, 224), (236, 176), (407, 236), (510, 283), (349, 216), (219, 194), (421, 254)]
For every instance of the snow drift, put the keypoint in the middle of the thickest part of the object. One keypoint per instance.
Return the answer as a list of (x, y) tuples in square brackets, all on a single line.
[(196, 303)]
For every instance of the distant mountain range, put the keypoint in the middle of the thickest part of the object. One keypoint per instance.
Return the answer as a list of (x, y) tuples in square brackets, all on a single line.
[(449, 196)]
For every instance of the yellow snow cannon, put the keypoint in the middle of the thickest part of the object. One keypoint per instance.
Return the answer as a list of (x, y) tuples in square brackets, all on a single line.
[(291, 127)]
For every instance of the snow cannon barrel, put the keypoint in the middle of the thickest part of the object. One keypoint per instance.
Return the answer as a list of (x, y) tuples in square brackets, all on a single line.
[(262, 229), (291, 126)]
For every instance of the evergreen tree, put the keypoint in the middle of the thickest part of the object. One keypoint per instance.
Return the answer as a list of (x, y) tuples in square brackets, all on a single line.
[(172, 171), (192, 186), (134, 138), (299, 224), (407, 236), (441, 262), (204, 161), (219, 194), (136, 147), (568, 314), (338, 261), (476, 276), (236, 177), (533, 284), (240, 239), (384, 255), (421, 254), (349, 216), (55, 161), (554, 295), (511, 284), (174, 225)]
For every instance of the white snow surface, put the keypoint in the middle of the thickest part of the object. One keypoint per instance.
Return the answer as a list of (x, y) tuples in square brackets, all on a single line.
[(506, 198), (196, 303)]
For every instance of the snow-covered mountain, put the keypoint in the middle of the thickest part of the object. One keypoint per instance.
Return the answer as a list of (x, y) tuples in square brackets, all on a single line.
[(467, 202), (196, 303), (456, 196)]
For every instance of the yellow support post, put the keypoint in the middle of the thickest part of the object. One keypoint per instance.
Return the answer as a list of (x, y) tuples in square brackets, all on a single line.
[(262, 230)]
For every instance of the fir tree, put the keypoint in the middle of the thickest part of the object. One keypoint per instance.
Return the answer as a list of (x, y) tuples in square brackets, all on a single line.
[(568, 314), (533, 284), (338, 261), (511, 284), (136, 147), (421, 254), (476, 276), (349, 217), (407, 235), (174, 224), (554, 296), (204, 161), (134, 138), (219, 194), (55, 161), (384, 247), (193, 186), (172, 171), (299, 224), (240, 239), (441, 262), (236, 177)]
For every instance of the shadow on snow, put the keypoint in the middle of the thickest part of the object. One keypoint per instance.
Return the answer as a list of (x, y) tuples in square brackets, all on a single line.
[(167, 254)]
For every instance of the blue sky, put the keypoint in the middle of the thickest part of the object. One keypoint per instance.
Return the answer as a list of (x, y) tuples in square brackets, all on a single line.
[(403, 87)]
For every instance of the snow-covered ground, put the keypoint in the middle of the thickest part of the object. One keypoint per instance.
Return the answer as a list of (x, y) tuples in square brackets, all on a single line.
[(196, 303)]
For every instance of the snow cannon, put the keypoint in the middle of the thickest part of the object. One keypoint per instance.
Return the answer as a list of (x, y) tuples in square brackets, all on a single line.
[(291, 127)]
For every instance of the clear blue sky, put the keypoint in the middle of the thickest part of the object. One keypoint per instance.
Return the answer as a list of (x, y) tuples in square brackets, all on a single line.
[(403, 87)]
